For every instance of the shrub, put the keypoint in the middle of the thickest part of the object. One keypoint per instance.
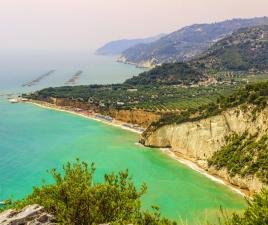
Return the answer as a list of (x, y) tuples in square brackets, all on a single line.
[(255, 214), (75, 199), (243, 155)]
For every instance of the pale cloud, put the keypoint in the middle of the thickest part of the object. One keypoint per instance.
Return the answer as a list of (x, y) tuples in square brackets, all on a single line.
[(76, 24)]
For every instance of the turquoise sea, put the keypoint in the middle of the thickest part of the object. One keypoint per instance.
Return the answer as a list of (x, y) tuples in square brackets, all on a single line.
[(34, 139)]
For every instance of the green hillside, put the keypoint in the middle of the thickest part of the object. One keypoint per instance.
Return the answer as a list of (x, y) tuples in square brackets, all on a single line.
[(243, 155), (170, 74), (186, 43), (243, 52), (255, 94)]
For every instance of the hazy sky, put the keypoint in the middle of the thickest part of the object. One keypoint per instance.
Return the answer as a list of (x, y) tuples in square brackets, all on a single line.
[(86, 24)]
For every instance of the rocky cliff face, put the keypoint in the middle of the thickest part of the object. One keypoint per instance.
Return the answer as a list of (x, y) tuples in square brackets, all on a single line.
[(199, 140), (142, 64), (140, 117), (132, 116), (30, 215)]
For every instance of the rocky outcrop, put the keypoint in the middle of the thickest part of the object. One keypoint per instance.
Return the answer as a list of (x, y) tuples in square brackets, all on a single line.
[(30, 215), (149, 64), (199, 140)]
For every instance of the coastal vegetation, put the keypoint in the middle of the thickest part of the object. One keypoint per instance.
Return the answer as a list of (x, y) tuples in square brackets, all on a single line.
[(255, 214), (75, 198), (244, 155), (170, 74), (152, 98), (254, 94), (172, 104)]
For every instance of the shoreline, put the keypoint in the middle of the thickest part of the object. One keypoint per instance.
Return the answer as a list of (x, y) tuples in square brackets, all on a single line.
[(119, 124), (88, 115), (135, 64), (194, 166)]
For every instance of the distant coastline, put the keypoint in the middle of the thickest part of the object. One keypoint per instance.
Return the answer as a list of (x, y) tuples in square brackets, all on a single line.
[(144, 65)]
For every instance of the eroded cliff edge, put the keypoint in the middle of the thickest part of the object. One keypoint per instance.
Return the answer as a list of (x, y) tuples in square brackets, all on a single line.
[(198, 140), (133, 116)]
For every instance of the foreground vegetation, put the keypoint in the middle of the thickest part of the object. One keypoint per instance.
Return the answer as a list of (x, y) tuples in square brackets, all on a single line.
[(255, 214), (243, 155), (75, 199)]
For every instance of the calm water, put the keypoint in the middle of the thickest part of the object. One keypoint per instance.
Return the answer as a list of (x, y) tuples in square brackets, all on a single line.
[(16, 68), (33, 140)]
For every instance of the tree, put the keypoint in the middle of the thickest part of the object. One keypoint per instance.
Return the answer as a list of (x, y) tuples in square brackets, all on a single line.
[(255, 214), (75, 199)]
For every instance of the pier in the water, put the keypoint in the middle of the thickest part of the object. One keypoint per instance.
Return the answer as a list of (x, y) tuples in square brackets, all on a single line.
[(74, 78), (38, 79)]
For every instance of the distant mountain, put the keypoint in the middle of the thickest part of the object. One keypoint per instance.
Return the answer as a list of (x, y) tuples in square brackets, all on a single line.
[(117, 47), (185, 43), (245, 51)]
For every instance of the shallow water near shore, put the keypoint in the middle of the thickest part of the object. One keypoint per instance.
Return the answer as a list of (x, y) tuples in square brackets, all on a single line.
[(33, 140)]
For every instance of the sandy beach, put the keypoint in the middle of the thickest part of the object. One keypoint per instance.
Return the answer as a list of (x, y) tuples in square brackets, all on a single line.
[(88, 115), (189, 163), (181, 159)]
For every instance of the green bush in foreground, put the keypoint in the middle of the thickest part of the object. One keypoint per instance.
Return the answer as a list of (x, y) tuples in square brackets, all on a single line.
[(75, 199), (255, 214)]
